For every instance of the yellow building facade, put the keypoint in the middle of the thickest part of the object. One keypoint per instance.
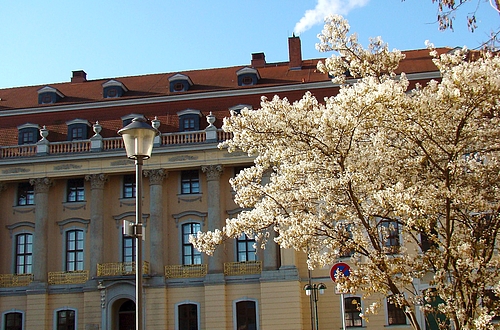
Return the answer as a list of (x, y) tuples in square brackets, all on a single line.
[(66, 188)]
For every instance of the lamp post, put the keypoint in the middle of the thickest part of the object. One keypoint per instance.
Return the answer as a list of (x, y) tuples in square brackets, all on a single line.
[(313, 290), (138, 137)]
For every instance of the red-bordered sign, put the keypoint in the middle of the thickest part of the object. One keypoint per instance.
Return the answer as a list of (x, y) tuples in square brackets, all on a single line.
[(341, 267)]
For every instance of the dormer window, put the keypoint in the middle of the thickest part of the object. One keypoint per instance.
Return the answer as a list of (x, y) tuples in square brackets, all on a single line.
[(247, 76), (128, 118), (237, 108), (28, 133), (179, 83), (113, 88), (78, 129), (49, 95), (189, 120)]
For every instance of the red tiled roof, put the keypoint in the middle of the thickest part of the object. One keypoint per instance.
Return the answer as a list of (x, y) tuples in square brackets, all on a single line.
[(219, 79)]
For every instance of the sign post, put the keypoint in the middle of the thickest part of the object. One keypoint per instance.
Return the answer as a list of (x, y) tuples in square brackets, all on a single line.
[(345, 270)]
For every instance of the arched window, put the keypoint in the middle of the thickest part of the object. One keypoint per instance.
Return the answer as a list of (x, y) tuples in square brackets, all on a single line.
[(66, 319), (187, 316), (13, 321), (246, 315)]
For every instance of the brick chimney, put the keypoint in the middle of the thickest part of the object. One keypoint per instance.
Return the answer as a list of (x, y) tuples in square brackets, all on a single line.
[(295, 53), (258, 60), (79, 76)]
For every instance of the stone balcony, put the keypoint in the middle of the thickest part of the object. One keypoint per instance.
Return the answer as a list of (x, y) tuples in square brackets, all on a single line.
[(99, 144)]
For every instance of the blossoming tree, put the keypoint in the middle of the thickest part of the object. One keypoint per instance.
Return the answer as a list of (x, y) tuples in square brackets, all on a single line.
[(407, 182)]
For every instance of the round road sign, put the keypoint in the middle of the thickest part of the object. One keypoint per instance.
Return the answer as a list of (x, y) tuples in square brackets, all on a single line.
[(339, 267)]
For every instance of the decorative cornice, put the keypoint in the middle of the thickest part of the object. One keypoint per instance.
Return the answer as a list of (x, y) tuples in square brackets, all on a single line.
[(201, 215), (16, 225), (63, 223), (14, 170), (118, 218), (182, 158), (67, 167)]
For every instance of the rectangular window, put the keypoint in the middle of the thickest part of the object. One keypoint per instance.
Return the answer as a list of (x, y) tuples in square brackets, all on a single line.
[(188, 316), (129, 186), (395, 314), (13, 321), (27, 137), (390, 236), (74, 250), (77, 133), (25, 194), (76, 190), (352, 307), (491, 301), (66, 320), (245, 249), (128, 249), (246, 316), (188, 124), (190, 182), (190, 256), (24, 253)]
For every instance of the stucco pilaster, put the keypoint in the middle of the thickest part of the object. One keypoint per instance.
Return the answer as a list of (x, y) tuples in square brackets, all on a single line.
[(156, 251), (213, 173), (97, 182), (40, 238)]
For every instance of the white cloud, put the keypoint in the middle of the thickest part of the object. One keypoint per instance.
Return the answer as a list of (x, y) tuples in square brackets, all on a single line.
[(324, 8)]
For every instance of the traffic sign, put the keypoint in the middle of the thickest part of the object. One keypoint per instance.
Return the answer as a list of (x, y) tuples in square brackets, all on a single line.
[(341, 267)]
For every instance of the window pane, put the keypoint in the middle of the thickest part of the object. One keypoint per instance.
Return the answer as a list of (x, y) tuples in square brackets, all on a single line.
[(25, 194), (74, 250), (24, 247)]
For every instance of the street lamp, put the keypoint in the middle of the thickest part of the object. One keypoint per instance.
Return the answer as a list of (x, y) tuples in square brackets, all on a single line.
[(138, 137), (312, 290)]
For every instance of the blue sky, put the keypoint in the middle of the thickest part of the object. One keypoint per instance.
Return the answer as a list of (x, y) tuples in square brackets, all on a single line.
[(42, 42)]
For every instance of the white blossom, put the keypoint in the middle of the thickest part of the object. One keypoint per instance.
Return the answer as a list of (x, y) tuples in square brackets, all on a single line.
[(329, 175)]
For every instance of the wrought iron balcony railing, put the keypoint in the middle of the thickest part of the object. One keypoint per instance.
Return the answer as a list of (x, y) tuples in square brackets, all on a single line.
[(74, 277), (243, 268), (14, 280), (185, 271), (120, 268)]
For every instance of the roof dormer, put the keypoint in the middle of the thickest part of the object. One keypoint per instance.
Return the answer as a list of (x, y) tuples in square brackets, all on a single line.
[(247, 76), (49, 95), (180, 83), (113, 88)]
